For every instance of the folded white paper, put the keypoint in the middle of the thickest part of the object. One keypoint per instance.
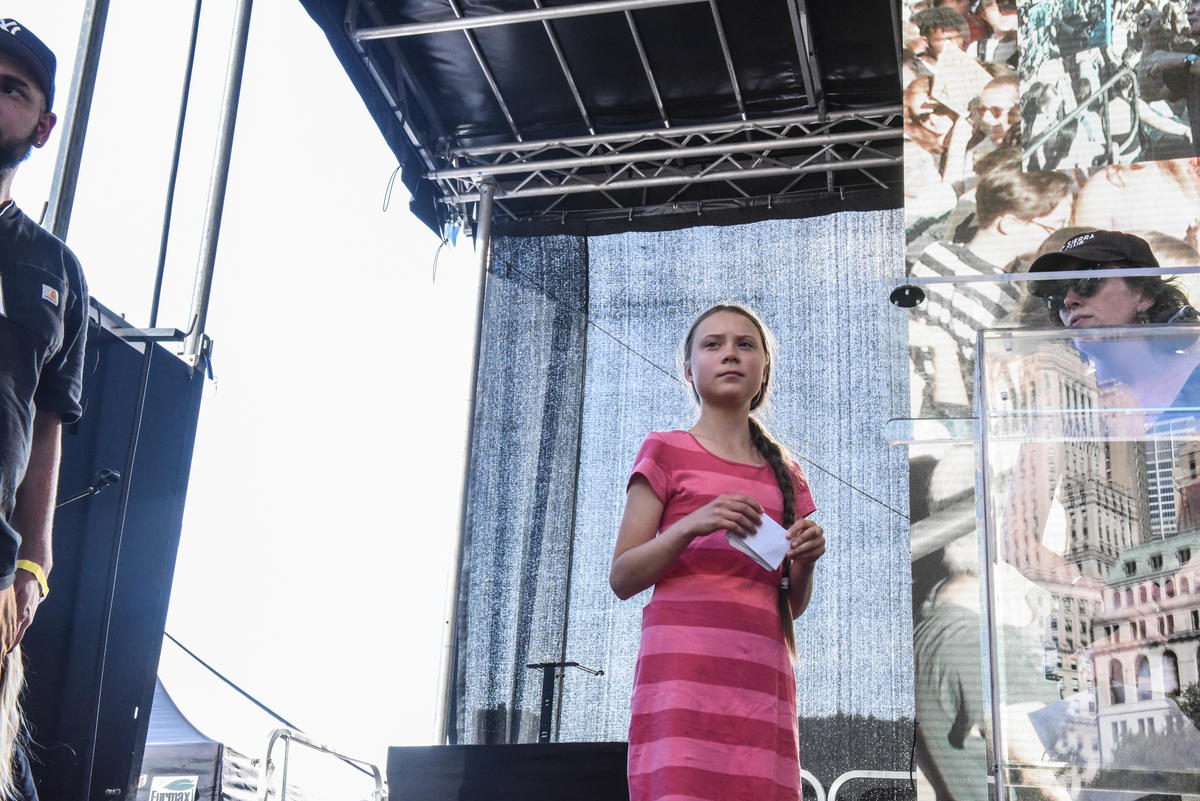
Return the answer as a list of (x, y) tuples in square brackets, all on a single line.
[(767, 546)]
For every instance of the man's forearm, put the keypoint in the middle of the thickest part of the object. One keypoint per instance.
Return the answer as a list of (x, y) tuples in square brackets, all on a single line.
[(33, 516), (1155, 69)]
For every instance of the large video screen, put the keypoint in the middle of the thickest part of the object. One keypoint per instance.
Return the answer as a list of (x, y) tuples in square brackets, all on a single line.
[(1028, 124)]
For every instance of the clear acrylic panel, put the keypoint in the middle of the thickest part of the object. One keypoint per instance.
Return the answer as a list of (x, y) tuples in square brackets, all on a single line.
[(1092, 516)]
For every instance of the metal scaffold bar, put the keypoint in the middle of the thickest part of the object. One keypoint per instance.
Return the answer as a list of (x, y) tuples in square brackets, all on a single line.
[(809, 73), (202, 290), (443, 714), (874, 115), (488, 75), (78, 112), (675, 180), (406, 86), (651, 80), (567, 74), (639, 157), (724, 42), (513, 18)]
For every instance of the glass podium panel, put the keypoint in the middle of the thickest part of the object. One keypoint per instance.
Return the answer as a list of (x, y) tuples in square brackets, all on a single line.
[(1090, 454)]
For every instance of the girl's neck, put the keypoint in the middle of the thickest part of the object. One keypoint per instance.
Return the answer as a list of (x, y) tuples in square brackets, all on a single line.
[(726, 432)]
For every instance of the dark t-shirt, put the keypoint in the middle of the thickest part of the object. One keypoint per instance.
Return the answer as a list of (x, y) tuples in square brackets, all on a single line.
[(43, 330), (950, 701)]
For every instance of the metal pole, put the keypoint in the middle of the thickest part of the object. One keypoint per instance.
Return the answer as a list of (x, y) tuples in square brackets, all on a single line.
[(733, 78), (483, 246), (168, 210), (545, 720), (288, 737), (75, 118), (798, 13), (287, 752), (988, 578), (218, 182), (487, 74), (650, 79), (562, 62), (513, 17), (1030, 149)]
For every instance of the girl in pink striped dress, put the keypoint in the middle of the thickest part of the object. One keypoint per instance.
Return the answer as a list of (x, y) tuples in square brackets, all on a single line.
[(714, 702)]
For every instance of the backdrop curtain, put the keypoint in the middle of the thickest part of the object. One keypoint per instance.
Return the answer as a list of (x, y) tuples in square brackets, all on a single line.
[(580, 359)]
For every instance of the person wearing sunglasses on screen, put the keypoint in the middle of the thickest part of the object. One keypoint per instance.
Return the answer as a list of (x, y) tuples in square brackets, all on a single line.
[(1160, 380)]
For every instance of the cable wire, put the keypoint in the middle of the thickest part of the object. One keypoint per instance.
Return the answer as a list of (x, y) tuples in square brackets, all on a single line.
[(231, 683), (252, 699), (669, 374)]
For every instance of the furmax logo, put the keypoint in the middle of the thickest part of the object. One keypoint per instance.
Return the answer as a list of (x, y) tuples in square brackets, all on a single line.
[(173, 788)]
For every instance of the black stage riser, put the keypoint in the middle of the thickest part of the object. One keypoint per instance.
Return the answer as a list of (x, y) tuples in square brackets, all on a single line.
[(63, 646), (520, 772)]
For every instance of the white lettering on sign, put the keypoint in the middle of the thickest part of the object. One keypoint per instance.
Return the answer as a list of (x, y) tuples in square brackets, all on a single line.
[(1077, 241)]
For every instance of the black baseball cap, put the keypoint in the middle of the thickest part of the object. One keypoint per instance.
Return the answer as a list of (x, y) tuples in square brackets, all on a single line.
[(19, 41), (1090, 249)]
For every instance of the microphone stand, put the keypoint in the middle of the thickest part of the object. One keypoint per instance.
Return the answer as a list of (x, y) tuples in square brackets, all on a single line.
[(548, 675)]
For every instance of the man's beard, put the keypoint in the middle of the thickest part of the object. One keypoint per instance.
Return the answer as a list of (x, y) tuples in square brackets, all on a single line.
[(11, 155)]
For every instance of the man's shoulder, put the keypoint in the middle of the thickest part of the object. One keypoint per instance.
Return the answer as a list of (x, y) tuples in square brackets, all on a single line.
[(27, 241)]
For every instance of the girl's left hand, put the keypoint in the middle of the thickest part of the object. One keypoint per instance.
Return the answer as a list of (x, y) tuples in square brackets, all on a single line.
[(806, 541)]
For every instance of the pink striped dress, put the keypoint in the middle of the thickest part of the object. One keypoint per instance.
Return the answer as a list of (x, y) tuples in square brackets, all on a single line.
[(714, 695)]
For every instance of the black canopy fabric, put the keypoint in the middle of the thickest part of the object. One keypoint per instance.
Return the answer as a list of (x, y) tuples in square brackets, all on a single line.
[(638, 113)]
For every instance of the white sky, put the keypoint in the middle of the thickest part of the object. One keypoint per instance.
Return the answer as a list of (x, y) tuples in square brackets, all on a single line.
[(326, 480)]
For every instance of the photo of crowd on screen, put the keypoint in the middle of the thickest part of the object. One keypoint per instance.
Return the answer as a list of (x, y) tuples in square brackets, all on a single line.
[(1022, 119)]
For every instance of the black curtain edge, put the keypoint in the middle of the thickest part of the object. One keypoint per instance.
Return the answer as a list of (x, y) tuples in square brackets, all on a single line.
[(693, 216)]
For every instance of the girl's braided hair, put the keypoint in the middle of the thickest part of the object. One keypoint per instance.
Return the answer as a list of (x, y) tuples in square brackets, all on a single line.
[(775, 454)]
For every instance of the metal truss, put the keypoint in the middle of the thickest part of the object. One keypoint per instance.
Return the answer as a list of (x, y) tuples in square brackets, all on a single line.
[(742, 161), (461, 23), (733, 153)]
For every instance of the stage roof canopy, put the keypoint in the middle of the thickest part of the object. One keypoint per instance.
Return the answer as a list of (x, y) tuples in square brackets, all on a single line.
[(622, 114)]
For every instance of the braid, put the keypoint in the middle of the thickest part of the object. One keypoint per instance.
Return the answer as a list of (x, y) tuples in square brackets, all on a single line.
[(773, 452)]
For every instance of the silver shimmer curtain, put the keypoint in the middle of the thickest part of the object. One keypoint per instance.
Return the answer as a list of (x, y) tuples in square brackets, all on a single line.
[(580, 360)]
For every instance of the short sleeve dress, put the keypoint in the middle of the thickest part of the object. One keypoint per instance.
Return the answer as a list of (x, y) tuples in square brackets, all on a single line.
[(714, 696)]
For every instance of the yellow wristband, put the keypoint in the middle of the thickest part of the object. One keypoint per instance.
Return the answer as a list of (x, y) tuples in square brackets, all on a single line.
[(38, 573)]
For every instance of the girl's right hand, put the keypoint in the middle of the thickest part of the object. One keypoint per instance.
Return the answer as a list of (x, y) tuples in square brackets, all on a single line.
[(740, 514)]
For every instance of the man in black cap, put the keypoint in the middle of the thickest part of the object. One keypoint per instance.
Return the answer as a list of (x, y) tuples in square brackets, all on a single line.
[(43, 326)]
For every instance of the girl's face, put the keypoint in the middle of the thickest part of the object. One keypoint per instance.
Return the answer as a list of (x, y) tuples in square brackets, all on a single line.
[(1113, 302), (727, 364)]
